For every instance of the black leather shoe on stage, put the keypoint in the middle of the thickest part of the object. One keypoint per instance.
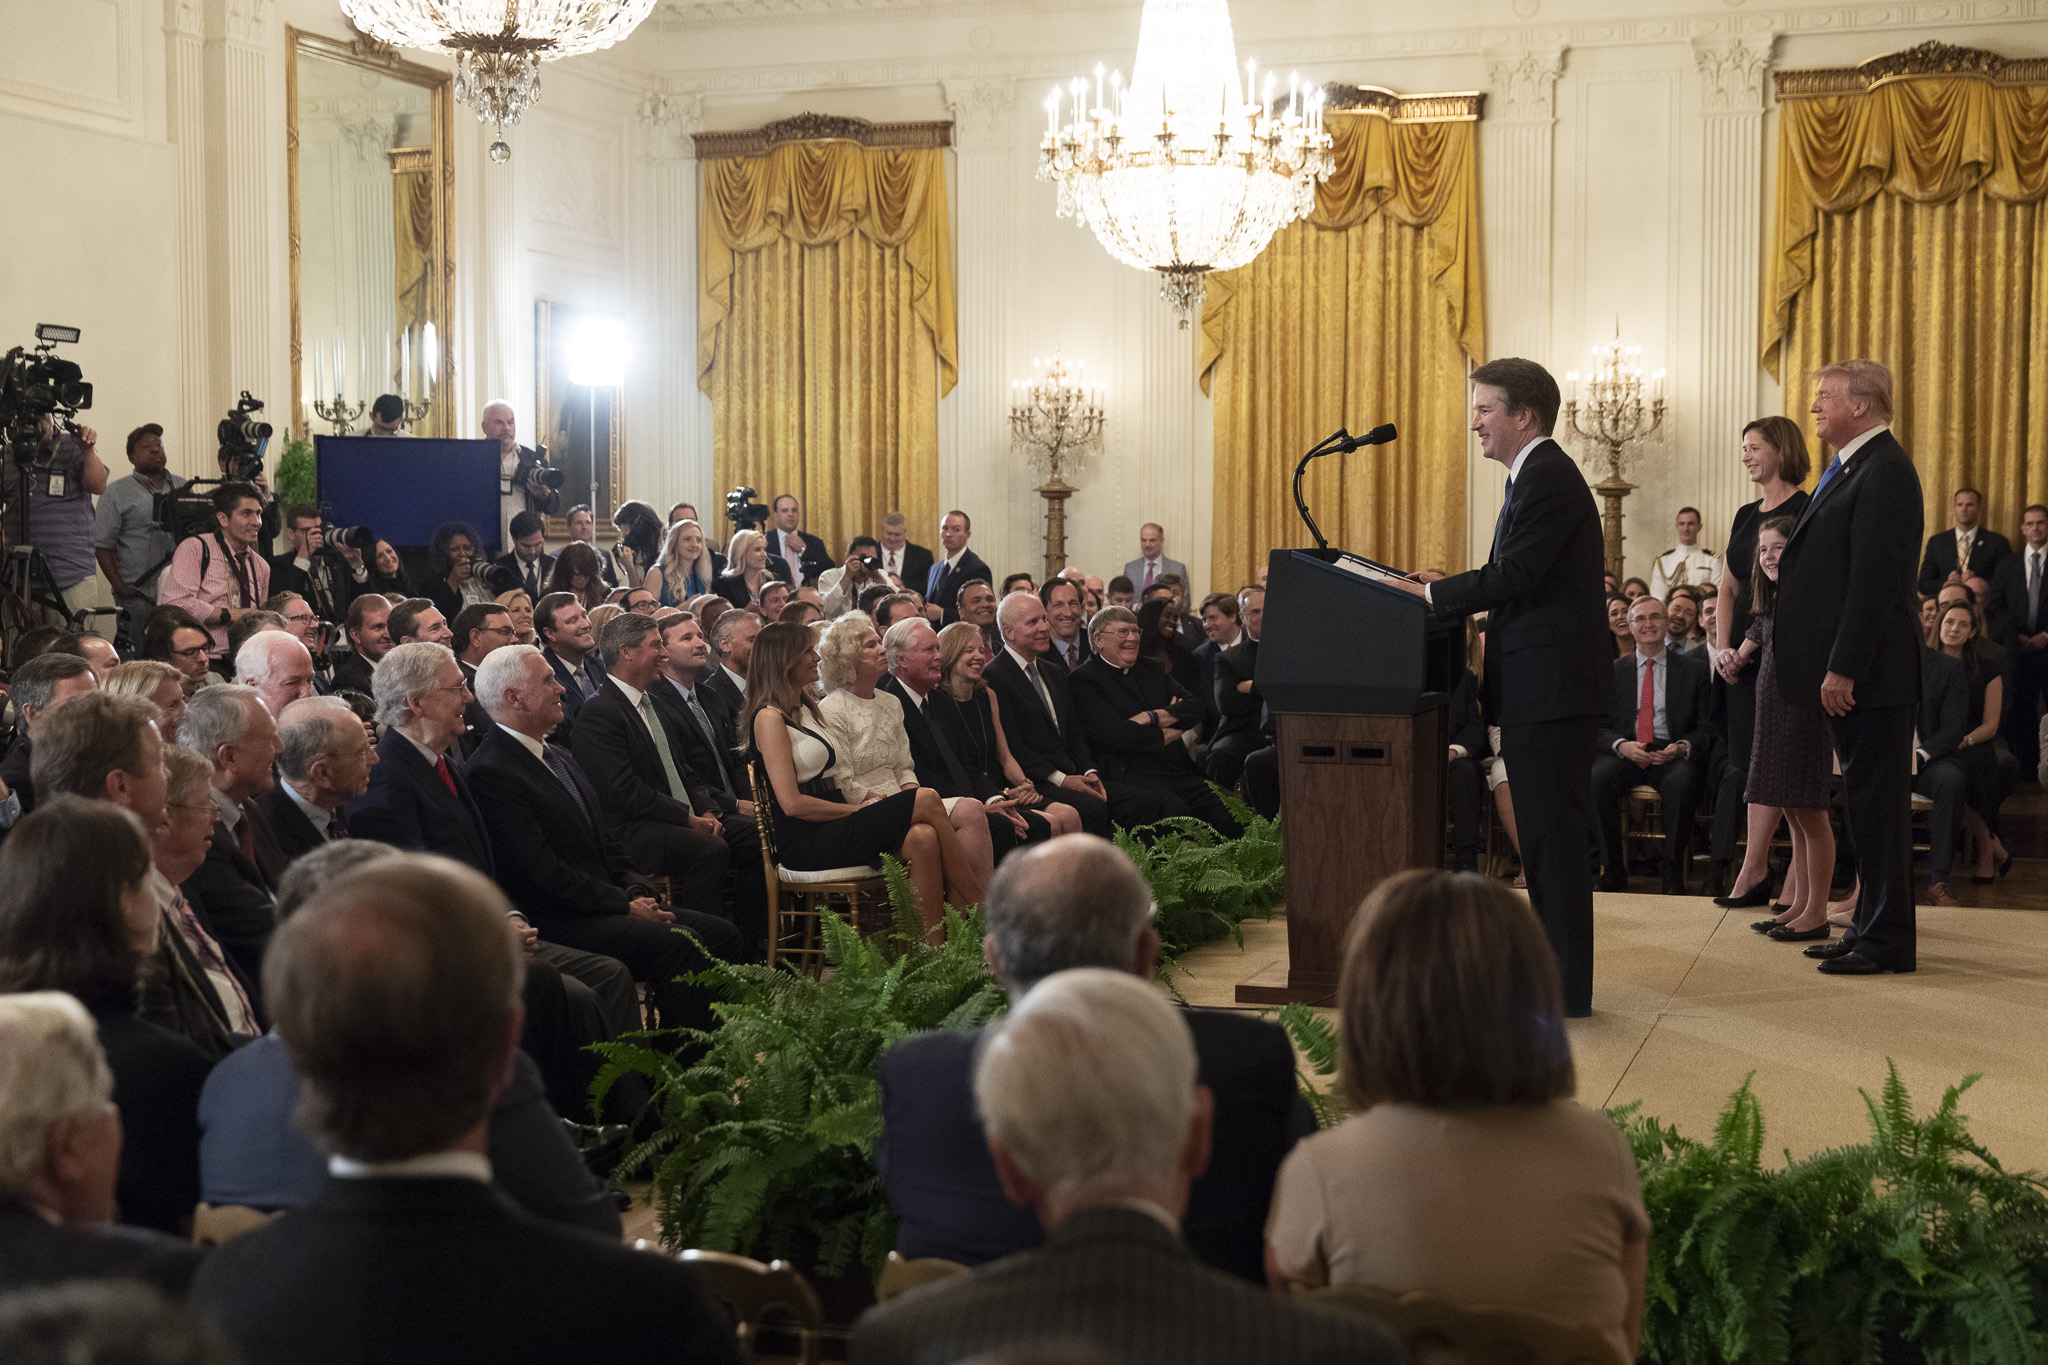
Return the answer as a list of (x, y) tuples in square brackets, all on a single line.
[(1785, 933), (1760, 894), (1853, 964), (1841, 947), (1764, 926)]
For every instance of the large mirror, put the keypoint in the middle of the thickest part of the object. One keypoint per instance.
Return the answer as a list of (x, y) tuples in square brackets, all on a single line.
[(581, 403), (367, 141)]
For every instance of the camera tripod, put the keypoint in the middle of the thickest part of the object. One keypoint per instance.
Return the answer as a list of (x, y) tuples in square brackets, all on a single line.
[(29, 595)]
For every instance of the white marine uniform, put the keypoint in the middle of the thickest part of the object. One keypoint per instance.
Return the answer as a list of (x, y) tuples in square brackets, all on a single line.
[(1684, 567)]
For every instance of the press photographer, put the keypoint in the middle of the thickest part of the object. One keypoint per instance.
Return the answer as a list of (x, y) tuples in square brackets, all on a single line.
[(217, 576), (526, 481), (328, 573), (52, 476), (65, 475), (128, 534)]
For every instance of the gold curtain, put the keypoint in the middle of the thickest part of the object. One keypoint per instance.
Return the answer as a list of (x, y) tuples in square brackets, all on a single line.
[(1361, 314), (825, 333), (413, 267), (1911, 230)]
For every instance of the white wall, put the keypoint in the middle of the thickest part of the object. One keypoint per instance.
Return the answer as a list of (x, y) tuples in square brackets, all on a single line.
[(1626, 162)]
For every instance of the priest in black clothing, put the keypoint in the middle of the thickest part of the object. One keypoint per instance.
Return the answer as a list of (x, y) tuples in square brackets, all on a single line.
[(1134, 716)]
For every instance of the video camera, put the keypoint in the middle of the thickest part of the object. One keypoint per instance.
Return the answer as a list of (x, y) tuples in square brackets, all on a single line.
[(35, 384), (243, 441), (744, 513)]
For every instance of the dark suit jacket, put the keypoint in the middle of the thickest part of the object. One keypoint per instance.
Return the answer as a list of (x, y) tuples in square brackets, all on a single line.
[(572, 696), (553, 864), (917, 566), (1548, 649), (1204, 656), (409, 806), (508, 573), (1944, 704), (815, 559), (1846, 602), (1987, 552), (476, 722), (942, 585), (1105, 699), (337, 586), (294, 833), (1466, 724), (1116, 1278), (157, 1079), (400, 1271), (724, 700), (617, 754), (236, 899), (1686, 703), (1083, 652), (702, 758), (936, 1169), (14, 771), (944, 775), (252, 1151), (33, 1253), (1238, 712), (1040, 747), (352, 673)]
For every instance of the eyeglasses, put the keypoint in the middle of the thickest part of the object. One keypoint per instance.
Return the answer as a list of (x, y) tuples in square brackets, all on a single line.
[(497, 630), (193, 653)]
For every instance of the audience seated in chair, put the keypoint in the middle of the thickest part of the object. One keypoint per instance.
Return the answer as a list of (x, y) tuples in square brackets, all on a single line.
[(1465, 1169), (913, 655), (324, 762), (62, 1154), (1096, 1120), (1077, 902), (397, 994), (38, 688), (964, 711), (1941, 724), (1656, 722), (193, 988)]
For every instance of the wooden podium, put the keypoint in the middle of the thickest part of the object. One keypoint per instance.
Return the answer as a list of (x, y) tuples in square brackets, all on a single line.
[(1356, 674)]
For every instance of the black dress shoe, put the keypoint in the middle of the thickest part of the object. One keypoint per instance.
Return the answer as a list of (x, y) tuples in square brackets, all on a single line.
[(1853, 964), (1785, 933), (1841, 947), (1760, 894), (1764, 926), (1717, 878), (1611, 884)]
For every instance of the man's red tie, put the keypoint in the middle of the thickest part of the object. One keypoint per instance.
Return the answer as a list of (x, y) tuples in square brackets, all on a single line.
[(441, 766), (1646, 709)]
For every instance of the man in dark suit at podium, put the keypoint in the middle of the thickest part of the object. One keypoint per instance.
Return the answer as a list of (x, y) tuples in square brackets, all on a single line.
[(1549, 657)]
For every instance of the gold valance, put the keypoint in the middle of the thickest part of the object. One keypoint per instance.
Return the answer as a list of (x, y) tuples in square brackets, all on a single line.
[(1925, 125), (813, 193)]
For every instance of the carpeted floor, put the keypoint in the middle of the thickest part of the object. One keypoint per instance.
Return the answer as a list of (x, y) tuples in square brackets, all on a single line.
[(1687, 1001)]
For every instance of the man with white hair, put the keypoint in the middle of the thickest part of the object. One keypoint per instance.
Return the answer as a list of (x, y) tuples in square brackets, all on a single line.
[(520, 488), (278, 666), (913, 650), (324, 763), (60, 1151), (235, 889), (1097, 1123), (1078, 901), (417, 798)]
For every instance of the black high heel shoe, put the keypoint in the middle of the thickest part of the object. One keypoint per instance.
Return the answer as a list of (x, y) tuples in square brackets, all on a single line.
[(1785, 933), (1760, 894)]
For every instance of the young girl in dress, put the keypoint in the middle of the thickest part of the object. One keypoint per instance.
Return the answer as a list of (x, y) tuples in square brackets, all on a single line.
[(1790, 765)]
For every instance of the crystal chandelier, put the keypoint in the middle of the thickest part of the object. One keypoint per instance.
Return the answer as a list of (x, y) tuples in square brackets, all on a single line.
[(1057, 419), (499, 44), (1185, 171)]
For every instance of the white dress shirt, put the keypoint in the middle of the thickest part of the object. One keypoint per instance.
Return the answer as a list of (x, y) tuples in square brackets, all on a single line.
[(1660, 722)]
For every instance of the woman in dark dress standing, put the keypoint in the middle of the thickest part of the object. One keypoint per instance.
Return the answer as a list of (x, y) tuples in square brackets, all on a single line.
[(1774, 455), (814, 829), (966, 713), (1790, 761), (1986, 781), (77, 915)]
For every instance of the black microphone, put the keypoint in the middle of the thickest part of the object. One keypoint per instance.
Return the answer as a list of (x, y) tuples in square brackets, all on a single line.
[(1378, 436)]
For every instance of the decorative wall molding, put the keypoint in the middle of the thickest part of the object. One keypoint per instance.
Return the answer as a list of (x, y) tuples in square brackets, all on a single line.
[(1928, 59), (185, 17), (816, 127), (1525, 84), (668, 122), (245, 22), (1732, 73), (1466, 106), (983, 112), (573, 180)]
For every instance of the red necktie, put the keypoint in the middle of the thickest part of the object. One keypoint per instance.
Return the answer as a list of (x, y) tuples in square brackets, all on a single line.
[(1646, 709), (441, 767), (1151, 567)]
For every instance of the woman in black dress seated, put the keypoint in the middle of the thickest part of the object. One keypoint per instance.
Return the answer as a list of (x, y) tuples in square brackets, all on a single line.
[(1159, 639), (77, 915), (814, 829), (1988, 771), (964, 710)]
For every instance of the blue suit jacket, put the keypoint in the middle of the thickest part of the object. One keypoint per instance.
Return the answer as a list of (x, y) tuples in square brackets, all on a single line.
[(572, 696), (937, 1172), (410, 807), (942, 586)]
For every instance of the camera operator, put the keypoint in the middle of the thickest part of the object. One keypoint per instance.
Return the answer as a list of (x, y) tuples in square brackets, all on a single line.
[(128, 536), (217, 576), (387, 416), (522, 486), (327, 576), (65, 477), (842, 587)]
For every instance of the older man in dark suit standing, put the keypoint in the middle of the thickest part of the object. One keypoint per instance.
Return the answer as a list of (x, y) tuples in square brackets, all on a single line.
[(1848, 639), (1548, 651)]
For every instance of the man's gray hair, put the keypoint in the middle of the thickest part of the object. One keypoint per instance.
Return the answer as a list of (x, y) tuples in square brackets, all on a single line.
[(728, 624), (308, 729), (1090, 1082), (621, 633), (1013, 606), (839, 649), (1108, 617), (217, 715), (35, 682), (895, 519), (897, 641), (258, 656), (321, 866), (51, 1069), (503, 670), (1074, 901), (408, 670)]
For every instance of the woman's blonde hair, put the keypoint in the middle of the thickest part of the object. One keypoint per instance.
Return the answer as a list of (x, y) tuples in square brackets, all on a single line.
[(140, 678), (600, 615), (673, 570), (736, 550), (839, 649), (954, 642)]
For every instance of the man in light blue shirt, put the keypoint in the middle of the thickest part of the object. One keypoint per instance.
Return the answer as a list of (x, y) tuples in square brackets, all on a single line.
[(127, 536)]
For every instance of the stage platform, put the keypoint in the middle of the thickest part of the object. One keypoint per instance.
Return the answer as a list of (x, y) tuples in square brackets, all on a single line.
[(1687, 1001)]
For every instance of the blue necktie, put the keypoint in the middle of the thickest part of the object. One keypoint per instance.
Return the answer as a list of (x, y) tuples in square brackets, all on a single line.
[(1825, 475)]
